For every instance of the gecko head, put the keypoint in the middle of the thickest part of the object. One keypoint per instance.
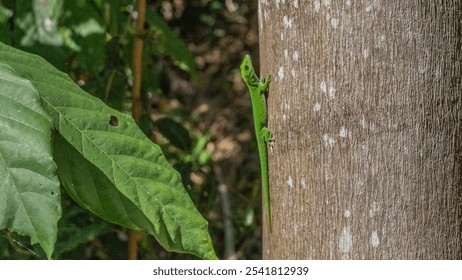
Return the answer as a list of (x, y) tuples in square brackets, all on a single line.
[(246, 68)]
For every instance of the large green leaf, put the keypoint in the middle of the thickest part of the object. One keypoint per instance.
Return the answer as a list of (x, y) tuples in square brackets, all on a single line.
[(29, 188), (109, 166), (88, 186)]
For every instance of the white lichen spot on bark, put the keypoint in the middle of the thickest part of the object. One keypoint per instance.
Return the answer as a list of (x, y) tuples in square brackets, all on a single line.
[(293, 73), (331, 91), (287, 22), (343, 132), (295, 228), (303, 183), (295, 56), (375, 241), (317, 5), (290, 182), (323, 87), (345, 240), (296, 5), (334, 22), (369, 8), (281, 73), (366, 53), (317, 106), (374, 209), (374, 5), (347, 213), (363, 122), (327, 3), (329, 141), (358, 183), (278, 4)]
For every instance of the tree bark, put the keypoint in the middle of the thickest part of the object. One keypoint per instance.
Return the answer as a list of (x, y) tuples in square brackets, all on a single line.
[(366, 111)]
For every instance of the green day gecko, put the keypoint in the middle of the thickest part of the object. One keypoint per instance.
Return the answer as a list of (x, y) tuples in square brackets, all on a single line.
[(258, 89)]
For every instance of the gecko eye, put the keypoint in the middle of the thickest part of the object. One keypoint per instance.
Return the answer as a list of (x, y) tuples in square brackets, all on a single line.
[(246, 67)]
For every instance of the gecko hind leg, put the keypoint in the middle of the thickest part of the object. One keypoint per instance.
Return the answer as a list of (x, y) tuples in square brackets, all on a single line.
[(267, 136)]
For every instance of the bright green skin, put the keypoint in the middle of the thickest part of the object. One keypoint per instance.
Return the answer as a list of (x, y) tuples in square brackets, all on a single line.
[(257, 89)]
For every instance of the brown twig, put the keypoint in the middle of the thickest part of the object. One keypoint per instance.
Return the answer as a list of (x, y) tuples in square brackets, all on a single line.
[(137, 58), (137, 63)]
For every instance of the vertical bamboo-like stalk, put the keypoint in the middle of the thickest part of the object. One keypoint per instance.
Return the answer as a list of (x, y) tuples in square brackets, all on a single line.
[(137, 59), (137, 66)]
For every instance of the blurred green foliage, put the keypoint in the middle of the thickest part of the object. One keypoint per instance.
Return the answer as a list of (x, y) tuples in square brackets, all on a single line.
[(194, 106)]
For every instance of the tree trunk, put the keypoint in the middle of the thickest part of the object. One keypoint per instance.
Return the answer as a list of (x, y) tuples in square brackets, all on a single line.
[(366, 111)]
